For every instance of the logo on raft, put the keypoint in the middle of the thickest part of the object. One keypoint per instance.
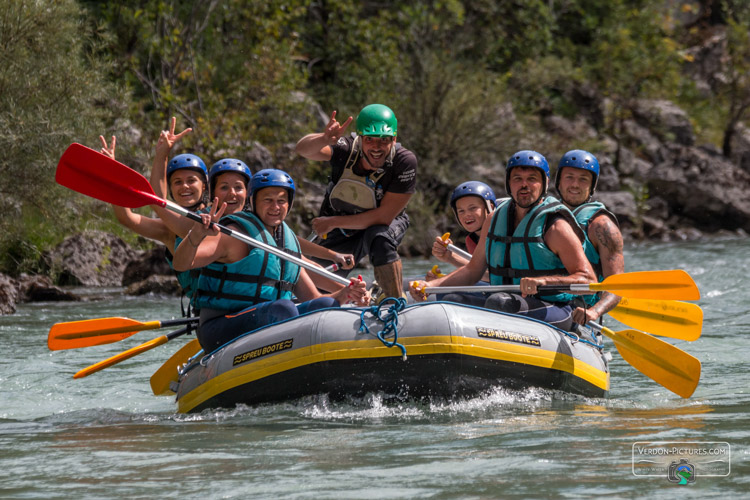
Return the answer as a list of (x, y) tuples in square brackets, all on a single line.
[(492, 333), (263, 351)]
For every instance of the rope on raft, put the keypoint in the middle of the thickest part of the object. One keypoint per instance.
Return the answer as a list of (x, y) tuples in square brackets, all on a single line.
[(389, 318)]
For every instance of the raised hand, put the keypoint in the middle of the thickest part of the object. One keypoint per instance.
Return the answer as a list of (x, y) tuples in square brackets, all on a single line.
[(167, 138), (334, 130), (106, 150)]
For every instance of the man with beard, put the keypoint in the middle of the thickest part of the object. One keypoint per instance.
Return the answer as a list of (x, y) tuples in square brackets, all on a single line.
[(372, 179), (531, 240), (575, 180)]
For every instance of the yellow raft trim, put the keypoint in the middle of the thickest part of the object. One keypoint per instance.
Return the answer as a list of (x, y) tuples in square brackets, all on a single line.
[(373, 348)]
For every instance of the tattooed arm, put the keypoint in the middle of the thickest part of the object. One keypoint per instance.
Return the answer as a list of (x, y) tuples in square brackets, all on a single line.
[(607, 239)]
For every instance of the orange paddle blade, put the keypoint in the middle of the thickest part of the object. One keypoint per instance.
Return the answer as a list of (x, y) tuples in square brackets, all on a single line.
[(667, 318), (162, 378), (662, 362), (90, 332), (665, 285)]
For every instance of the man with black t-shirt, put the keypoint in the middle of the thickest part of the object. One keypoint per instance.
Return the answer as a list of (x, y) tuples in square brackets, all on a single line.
[(372, 179)]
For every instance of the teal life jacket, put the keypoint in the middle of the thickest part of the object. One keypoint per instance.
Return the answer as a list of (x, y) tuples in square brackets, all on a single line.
[(524, 253), (258, 277), (584, 214), (188, 280)]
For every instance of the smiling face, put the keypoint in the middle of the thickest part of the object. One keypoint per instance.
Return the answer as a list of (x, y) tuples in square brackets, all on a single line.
[(186, 187), (376, 150), (230, 189), (574, 186), (271, 205), (526, 185), (471, 212)]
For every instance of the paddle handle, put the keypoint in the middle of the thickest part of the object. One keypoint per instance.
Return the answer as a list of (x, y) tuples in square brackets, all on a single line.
[(453, 248), (129, 353), (255, 243), (502, 288)]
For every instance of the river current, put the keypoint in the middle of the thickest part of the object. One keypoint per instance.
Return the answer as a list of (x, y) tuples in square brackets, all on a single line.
[(107, 436)]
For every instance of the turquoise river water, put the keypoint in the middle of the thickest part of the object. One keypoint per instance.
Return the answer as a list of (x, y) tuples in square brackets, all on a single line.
[(107, 436)]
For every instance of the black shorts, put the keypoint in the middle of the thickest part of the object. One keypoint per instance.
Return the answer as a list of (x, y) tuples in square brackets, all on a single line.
[(379, 242)]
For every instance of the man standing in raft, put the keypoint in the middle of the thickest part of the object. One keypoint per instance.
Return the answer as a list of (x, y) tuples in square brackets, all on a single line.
[(372, 179), (575, 180), (531, 240)]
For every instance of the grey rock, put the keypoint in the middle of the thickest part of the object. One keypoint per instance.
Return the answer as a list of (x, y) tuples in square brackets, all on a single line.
[(92, 258), (152, 262), (8, 294), (39, 288), (157, 284), (665, 120), (704, 190)]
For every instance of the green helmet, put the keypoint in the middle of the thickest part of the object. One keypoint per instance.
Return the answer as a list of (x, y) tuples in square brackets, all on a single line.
[(377, 120)]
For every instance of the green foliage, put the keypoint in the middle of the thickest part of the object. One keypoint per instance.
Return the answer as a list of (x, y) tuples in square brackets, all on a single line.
[(50, 96), (469, 82)]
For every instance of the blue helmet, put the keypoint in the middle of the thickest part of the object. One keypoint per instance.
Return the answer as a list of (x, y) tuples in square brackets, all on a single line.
[(229, 165), (187, 161), (527, 158), (271, 177), (473, 188), (578, 158)]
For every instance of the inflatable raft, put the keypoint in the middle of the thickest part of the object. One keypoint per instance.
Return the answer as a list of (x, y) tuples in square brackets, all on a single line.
[(431, 349)]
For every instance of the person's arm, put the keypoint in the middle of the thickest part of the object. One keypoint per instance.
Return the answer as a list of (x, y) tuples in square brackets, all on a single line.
[(391, 205), (465, 275), (607, 240), (204, 244), (147, 227), (305, 290), (165, 143), (563, 241), (167, 139), (317, 146), (344, 260)]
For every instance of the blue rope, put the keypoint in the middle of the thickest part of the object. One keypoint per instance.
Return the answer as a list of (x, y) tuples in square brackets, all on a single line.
[(390, 321)]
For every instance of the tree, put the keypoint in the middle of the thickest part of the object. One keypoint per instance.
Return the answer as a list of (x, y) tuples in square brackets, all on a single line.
[(50, 96), (734, 84)]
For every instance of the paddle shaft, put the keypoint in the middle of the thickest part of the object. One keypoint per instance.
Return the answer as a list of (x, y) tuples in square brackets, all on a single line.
[(453, 248), (665, 285), (130, 353), (461, 253), (149, 325), (253, 242)]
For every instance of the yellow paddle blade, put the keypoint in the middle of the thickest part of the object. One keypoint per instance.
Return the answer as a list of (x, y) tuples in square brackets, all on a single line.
[(121, 357), (667, 318), (662, 362), (665, 285), (90, 332), (163, 377)]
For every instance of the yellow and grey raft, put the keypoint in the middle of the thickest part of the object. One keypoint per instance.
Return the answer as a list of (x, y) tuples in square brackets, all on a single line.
[(436, 349)]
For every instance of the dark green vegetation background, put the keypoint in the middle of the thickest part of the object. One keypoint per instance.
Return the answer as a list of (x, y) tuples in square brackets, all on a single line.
[(242, 72)]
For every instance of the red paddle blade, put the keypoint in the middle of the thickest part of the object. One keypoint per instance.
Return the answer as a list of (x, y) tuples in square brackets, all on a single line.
[(94, 174)]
